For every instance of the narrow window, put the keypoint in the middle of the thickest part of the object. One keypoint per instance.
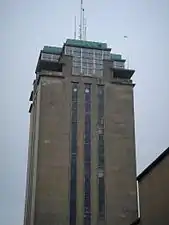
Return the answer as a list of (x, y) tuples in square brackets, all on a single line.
[(101, 185), (73, 153), (87, 155)]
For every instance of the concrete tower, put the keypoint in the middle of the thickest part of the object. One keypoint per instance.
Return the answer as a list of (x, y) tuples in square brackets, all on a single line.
[(81, 157)]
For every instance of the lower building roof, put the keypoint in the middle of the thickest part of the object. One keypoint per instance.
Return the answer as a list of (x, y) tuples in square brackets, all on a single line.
[(153, 164)]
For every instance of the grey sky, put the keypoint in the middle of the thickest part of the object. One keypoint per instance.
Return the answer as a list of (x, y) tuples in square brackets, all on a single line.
[(26, 26)]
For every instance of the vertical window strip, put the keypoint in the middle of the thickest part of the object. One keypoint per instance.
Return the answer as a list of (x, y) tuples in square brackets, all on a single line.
[(87, 155), (94, 62), (102, 63), (101, 185), (81, 60), (72, 219)]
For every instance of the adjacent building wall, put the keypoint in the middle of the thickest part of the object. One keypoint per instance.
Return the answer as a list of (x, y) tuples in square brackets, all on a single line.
[(154, 192)]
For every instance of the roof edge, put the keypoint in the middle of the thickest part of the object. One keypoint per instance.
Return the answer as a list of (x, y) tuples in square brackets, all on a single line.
[(153, 164), (88, 47)]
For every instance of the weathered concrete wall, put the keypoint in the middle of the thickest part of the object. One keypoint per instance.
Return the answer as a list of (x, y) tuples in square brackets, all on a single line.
[(120, 163), (154, 195), (52, 188), (29, 160)]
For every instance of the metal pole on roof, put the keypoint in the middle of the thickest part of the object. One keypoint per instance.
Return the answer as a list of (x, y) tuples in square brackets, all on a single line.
[(83, 26), (75, 29), (81, 20), (127, 60), (85, 29)]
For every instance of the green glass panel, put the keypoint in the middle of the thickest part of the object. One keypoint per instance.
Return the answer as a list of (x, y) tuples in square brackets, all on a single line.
[(116, 56), (86, 44), (52, 50)]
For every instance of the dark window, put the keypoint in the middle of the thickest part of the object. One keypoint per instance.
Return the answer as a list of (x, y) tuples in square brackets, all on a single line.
[(74, 138), (73, 154), (87, 95), (87, 138), (74, 112), (101, 197), (87, 107), (101, 161), (101, 185), (87, 170), (87, 155)]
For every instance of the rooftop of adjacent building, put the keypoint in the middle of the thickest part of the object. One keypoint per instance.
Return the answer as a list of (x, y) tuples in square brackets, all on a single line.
[(153, 164)]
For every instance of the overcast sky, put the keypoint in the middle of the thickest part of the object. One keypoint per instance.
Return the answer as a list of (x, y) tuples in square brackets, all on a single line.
[(26, 26)]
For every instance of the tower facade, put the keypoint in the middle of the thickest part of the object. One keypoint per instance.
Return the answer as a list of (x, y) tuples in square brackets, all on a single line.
[(81, 156)]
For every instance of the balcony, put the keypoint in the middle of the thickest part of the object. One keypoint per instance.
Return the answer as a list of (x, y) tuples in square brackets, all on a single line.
[(118, 64), (49, 57), (51, 73)]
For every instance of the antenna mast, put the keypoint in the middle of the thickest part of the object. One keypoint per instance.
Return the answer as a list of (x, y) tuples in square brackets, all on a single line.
[(81, 21), (85, 28), (75, 29)]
